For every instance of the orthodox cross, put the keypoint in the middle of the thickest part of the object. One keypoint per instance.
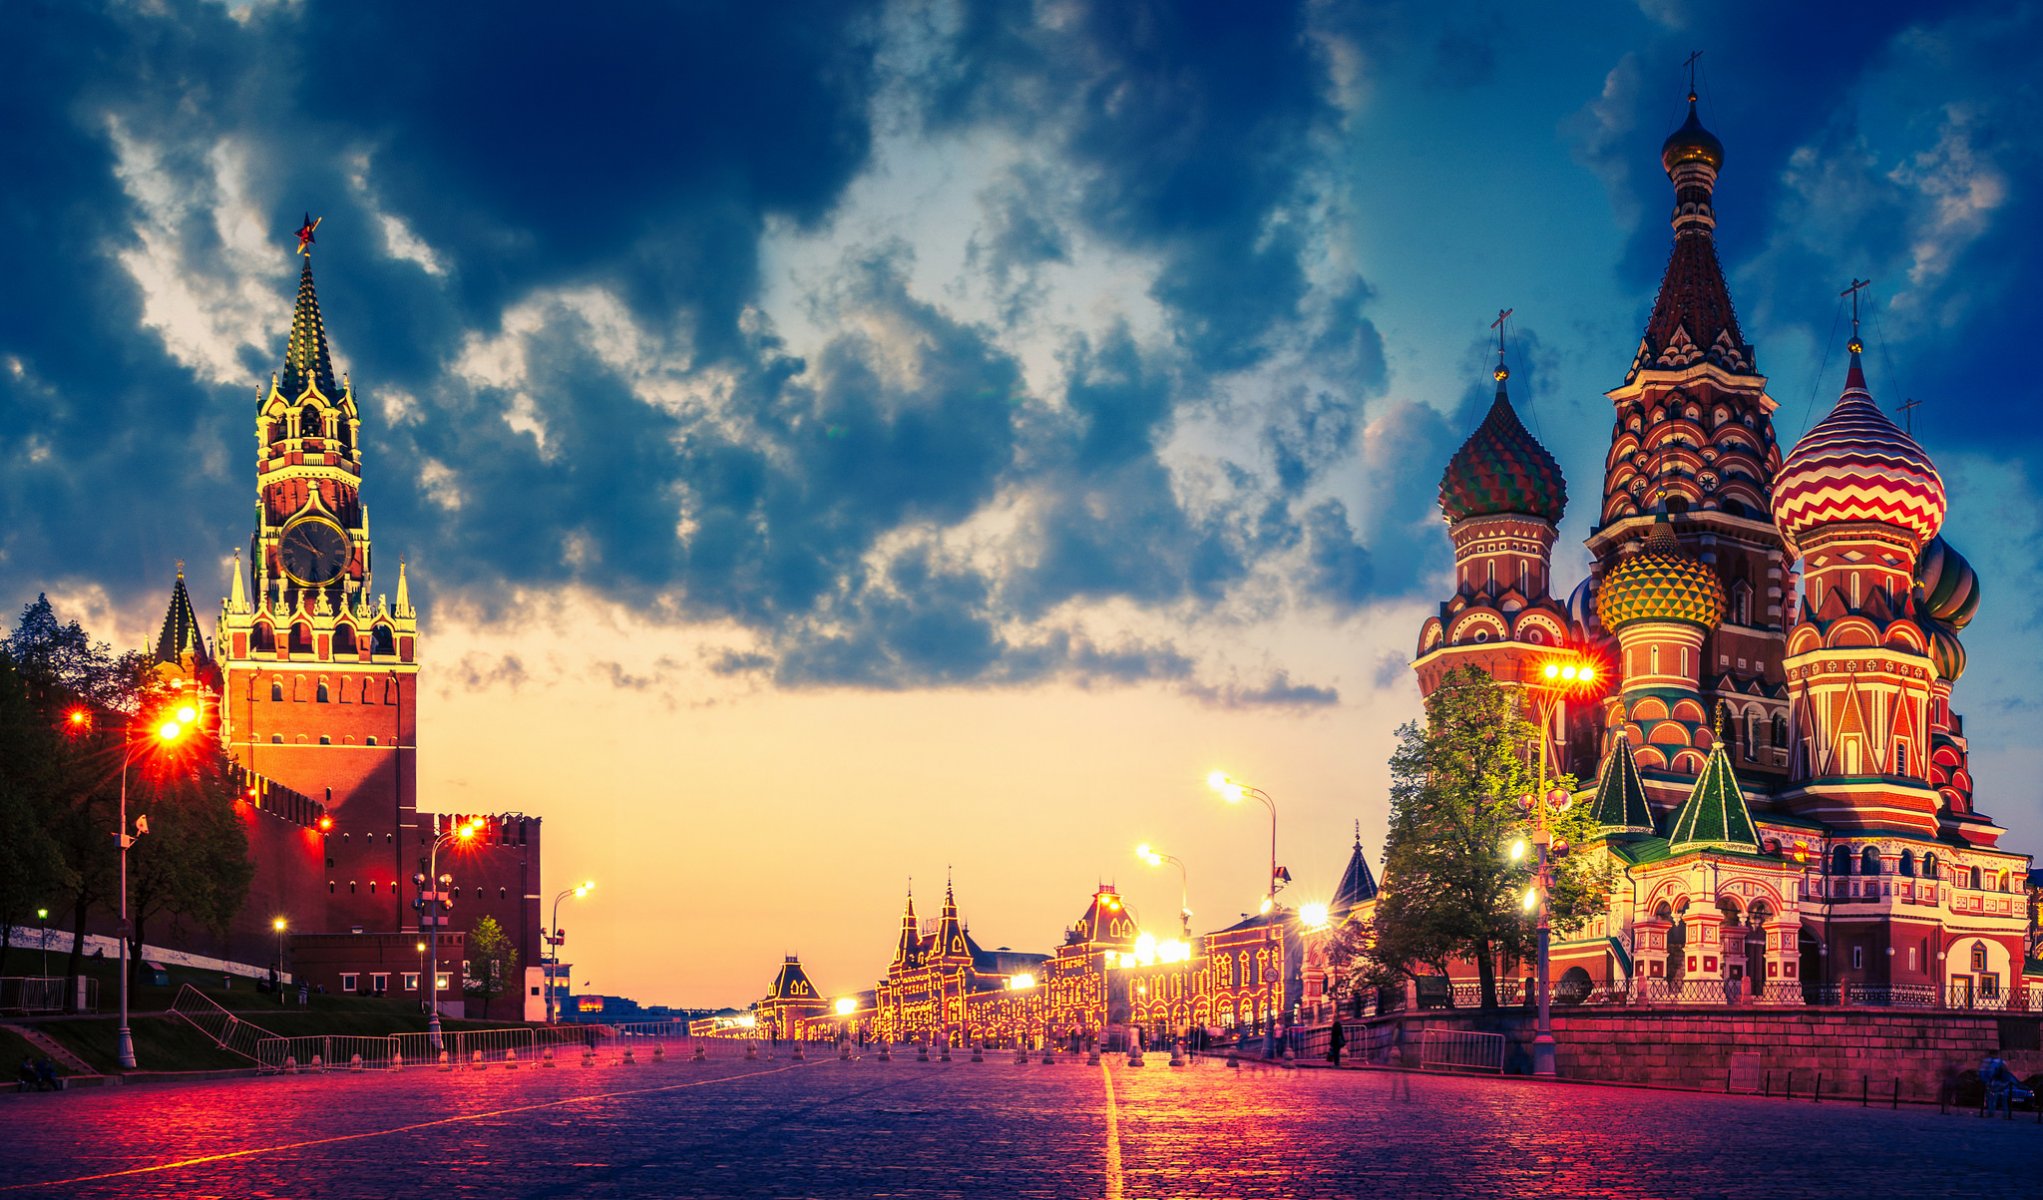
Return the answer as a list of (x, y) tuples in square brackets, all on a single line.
[(1689, 62), (1908, 408), (305, 238), (1857, 285), (1503, 314)]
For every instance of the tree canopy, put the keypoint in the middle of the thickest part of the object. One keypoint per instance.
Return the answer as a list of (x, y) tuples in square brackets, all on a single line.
[(492, 961), (1452, 890)]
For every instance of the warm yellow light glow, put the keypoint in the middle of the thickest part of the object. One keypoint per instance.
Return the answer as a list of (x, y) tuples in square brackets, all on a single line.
[(1021, 982), (278, 924), (170, 731), (1233, 792), (80, 717), (465, 832), (1314, 915), (1266, 905), (1173, 950), (421, 947), (590, 886), (846, 1006), (1588, 675), (187, 714), (1531, 899), (1149, 856), (1218, 781), (1569, 672), (1145, 949), (1553, 671), (1517, 849)]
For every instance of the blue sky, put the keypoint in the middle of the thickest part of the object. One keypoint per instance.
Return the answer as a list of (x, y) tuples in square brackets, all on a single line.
[(978, 392)]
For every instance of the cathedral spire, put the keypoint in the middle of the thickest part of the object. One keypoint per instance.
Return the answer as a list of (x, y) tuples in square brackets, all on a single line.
[(306, 361), (237, 593), (180, 636), (1693, 320)]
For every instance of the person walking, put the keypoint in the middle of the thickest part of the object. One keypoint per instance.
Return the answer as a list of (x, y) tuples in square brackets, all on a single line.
[(1335, 1041)]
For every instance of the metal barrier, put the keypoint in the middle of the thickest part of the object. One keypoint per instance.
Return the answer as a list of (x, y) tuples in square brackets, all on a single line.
[(1461, 1050), (227, 1030), (44, 993)]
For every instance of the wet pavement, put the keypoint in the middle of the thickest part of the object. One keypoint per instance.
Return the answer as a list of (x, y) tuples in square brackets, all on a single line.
[(824, 1128)]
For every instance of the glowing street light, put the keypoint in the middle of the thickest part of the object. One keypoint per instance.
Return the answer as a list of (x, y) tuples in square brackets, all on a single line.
[(846, 1006), (430, 898), (555, 938), (1313, 915), (1157, 858), (1234, 792), (280, 925), (1566, 674)]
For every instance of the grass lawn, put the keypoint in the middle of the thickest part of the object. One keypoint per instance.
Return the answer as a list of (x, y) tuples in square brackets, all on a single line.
[(12, 1050)]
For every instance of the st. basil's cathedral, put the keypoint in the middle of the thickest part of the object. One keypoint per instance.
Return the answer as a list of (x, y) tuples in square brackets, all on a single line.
[(1776, 773)]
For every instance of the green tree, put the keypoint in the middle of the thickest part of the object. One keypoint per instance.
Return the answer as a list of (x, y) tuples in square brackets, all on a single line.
[(33, 871), (492, 961), (1451, 889), (194, 863)]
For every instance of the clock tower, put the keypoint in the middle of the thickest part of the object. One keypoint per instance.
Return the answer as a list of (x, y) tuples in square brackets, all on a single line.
[(321, 673)]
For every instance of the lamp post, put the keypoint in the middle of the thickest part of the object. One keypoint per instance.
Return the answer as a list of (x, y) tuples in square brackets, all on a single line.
[(460, 833), (422, 970), (554, 939), (1157, 858), (1550, 688), (1233, 791), (43, 915), (171, 729), (279, 925)]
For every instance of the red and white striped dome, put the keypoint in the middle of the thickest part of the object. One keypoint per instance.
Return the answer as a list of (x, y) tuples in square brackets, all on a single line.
[(1857, 465)]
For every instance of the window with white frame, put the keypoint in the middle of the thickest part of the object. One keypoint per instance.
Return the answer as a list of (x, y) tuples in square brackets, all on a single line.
[(349, 979), (411, 981), (379, 982)]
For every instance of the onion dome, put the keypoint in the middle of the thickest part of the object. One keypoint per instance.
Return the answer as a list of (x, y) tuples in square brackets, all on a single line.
[(1662, 582), (1946, 652), (1950, 587), (1502, 468), (1582, 613), (1857, 466), (1691, 143)]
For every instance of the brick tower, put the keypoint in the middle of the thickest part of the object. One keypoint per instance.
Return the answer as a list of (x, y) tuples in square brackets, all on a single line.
[(321, 680)]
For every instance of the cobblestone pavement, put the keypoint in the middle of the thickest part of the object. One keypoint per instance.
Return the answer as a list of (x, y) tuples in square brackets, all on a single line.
[(729, 1128)]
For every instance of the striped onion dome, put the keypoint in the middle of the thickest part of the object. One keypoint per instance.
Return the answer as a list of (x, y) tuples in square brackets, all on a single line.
[(1946, 651), (1662, 582), (1857, 465), (1502, 468), (1950, 587)]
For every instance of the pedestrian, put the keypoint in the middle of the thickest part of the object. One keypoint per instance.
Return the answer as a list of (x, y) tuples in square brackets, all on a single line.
[(24, 1079), (1336, 1040), (2000, 1083), (304, 994), (46, 1075)]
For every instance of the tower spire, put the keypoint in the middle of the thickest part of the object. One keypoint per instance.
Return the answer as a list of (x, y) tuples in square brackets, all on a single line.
[(1693, 320), (1502, 372), (306, 361)]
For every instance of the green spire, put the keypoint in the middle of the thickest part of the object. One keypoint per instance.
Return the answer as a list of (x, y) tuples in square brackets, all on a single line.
[(1620, 805), (1714, 816), (306, 362)]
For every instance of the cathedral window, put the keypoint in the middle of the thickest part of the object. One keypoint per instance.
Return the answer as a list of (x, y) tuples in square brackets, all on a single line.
[(1901, 764), (343, 639), (276, 689), (1840, 861), (323, 696), (1979, 956), (1780, 731), (301, 639), (1869, 861), (1929, 866), (309, 422), (1974, 877)]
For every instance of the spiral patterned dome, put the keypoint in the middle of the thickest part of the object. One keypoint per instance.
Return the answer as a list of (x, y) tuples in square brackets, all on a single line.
[(1946, 652), (1857, 465), (1950, 587), (1662, 582), (1502, 468), (1691, 143), (1582, 613)]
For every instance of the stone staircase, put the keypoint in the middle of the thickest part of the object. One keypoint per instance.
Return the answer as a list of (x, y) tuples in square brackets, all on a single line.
[(48, 1045)]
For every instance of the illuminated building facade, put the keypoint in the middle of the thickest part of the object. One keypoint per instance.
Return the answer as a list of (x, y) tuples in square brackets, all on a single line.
[(1779, 779)]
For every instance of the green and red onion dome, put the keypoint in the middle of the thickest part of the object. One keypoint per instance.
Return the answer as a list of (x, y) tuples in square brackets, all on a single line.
[(1502, 468), (1950, 587), (1946, 651), (1857, 466), (1661, 582)]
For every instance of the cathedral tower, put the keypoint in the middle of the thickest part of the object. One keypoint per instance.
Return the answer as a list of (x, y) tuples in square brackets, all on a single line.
[(1859, 500), (1693, 440), (320, 681)]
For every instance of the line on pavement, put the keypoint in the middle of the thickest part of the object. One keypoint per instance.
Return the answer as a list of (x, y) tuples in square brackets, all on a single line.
[(1114, 1185), (372, 1133)]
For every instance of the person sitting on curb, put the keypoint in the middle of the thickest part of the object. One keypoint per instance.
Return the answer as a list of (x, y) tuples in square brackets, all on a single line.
[(46, 1076), (24, 1079)]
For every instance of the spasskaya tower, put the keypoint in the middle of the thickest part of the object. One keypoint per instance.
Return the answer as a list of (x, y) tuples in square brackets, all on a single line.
[(321, 672)]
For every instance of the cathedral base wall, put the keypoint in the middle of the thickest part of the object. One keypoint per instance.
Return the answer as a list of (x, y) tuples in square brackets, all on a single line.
[(1744, 1049)]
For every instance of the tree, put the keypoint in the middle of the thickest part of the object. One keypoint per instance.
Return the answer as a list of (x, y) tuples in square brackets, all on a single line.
[(492, 961), (33, 870), (194, 863), (1451, 889)]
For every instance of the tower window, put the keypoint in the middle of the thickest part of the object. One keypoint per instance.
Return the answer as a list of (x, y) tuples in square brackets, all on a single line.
[(372, 739), (323, 696), (331, 887), (1869, 861), (276, 689), (351, 887), (326, 739), (276, 739)]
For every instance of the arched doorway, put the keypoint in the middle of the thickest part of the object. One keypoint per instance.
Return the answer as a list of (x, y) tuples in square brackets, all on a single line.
[(1677, 945), (1755, 948), (1732, 934), (1810, 950)]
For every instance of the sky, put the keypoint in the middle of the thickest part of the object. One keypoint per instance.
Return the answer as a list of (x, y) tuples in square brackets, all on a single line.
[(835, 444)]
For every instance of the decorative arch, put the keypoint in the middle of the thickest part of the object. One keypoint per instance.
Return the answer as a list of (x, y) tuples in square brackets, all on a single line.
[(1851, 633), (1477, 620)]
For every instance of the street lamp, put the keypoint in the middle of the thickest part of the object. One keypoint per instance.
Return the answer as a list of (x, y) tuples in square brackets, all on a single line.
[(170, 730), (1556, 679), (1157, 858), (1234, 791), (43, 915), (279, 926), (463, 832), (555, 938)]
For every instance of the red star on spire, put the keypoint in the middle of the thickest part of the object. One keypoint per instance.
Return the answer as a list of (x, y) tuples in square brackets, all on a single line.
[(305, 238)]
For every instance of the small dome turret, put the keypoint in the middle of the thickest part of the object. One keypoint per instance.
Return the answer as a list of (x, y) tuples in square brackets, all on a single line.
[(1662, 582), (1950, 587)]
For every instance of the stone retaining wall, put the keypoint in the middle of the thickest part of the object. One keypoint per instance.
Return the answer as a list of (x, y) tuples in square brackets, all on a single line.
[(1743, 1049)]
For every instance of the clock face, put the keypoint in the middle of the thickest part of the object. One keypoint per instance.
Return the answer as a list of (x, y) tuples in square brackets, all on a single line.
[(315, 552)]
